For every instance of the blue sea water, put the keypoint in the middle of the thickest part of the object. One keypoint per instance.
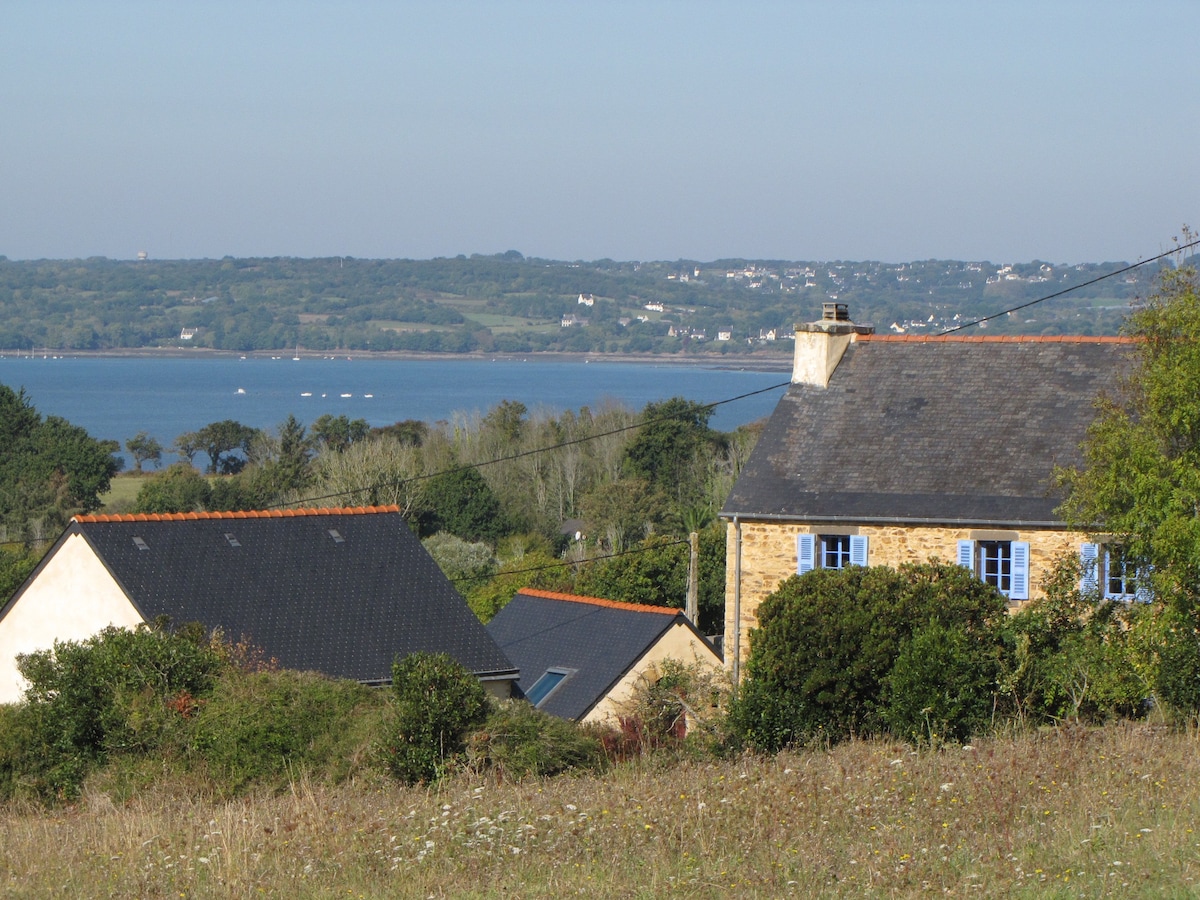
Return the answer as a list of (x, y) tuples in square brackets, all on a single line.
[(115, 398)]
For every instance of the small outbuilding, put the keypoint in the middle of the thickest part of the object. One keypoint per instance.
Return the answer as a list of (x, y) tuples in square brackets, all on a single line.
[(582, 658), (339, 591)]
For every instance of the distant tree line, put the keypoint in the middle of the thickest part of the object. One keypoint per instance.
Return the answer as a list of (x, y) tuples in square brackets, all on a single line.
[(507, 303)]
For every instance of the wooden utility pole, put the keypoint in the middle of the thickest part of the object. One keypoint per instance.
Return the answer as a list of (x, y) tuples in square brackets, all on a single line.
[(692, 606)]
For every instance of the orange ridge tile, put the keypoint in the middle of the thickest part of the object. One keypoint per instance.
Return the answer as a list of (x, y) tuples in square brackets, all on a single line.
[(238, 514), (599, 601)]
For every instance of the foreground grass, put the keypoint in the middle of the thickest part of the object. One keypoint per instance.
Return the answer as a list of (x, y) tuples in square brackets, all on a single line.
[(1065, 813)]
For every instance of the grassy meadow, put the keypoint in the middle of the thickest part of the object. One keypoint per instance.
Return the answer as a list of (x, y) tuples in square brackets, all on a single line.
[(1066, 812)]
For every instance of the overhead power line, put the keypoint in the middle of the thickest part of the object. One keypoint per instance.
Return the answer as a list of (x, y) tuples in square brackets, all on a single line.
[(1075, 287), (523, 453)]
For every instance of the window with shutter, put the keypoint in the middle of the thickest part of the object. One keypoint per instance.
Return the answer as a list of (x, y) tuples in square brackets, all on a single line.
[(1089, 568), (806, 553), (1019, 587), (966, 554)]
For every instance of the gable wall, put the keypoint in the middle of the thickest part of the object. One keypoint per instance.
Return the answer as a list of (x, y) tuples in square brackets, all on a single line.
[(72, 598), (679, 643), (769, 557)]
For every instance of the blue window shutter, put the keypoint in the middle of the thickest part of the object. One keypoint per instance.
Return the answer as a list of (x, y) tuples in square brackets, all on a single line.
[(806, 553), (858, 549), (1145, 592), (966, 554), (1089, 575), (1020, 571)]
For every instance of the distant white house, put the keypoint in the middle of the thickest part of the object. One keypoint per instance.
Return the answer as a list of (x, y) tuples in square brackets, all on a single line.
[(586, 300), (654, 307), (724, 335), (570, 321), (187, 334)]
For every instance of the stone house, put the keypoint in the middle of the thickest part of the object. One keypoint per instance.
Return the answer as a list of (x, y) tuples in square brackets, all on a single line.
[(887, 449)]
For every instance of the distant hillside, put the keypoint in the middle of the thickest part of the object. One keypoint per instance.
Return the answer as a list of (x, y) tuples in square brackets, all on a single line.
[(509, 303)]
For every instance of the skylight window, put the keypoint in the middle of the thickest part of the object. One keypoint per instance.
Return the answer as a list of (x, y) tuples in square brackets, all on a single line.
[(337, 538), (544, 686), (140, 544), (233, 541)]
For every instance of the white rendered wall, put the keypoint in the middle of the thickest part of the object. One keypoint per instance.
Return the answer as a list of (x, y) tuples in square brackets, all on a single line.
[(72, 598), (678, 643)]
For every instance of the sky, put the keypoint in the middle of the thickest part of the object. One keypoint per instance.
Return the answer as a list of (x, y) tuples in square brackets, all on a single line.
[(894, 131)]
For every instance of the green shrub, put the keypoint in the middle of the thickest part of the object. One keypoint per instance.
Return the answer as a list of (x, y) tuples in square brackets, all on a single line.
[(517, 741), (264, 728), (828, 640), (1176, 668), (1073, 655), (118, 691), (942, 685), (436, 702), (22, 766)]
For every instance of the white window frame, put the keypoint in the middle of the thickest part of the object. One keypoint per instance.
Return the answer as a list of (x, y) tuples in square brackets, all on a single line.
[(810, 551), (1096, 576), (970, 556)]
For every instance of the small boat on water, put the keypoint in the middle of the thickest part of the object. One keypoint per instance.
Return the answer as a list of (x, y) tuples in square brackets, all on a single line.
[(306, 393), (368, 396), (347, 395), (240, 391)]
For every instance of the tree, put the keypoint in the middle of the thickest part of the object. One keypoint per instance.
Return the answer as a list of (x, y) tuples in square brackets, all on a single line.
[(220, 440), (667, 448), (187, 445), (460, 501), (336, 433), (178, 488), (49, 469), (1140, 479), (143, 448)]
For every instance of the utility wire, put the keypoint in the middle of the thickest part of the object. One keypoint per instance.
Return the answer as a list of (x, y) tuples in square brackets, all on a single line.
[(523, 453), (577, 562), (1068, 290), (709, 406)]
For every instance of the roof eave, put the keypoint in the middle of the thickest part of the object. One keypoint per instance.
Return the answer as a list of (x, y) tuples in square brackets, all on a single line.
[(896, 520)]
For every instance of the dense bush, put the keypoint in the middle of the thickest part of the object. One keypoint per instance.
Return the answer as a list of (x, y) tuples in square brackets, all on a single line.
[(1073, 655), (828, 642), (942, 684), (517, 741), (436, 703), (266, 728), (118, 691)]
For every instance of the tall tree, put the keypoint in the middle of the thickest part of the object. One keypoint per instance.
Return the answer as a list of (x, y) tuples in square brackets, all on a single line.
[(144, 448), (49, 469), (1140, 481), (220, 441)]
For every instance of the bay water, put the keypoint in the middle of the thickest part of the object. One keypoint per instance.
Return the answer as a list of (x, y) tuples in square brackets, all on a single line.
[(116, 397)]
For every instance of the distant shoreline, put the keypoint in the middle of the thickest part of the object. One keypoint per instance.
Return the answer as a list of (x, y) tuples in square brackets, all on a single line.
[(754, 363)]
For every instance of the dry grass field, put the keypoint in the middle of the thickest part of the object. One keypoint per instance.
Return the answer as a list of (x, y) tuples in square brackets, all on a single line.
[(1070, 812)]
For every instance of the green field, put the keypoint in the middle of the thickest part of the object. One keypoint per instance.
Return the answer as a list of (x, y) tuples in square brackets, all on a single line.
[(123, 490)]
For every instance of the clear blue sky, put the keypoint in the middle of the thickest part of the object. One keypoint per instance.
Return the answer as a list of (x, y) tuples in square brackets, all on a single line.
[(1063, 131)]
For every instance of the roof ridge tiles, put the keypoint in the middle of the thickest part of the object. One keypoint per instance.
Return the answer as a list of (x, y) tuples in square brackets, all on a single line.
[(997, 338), (238, 514), (600, 601)]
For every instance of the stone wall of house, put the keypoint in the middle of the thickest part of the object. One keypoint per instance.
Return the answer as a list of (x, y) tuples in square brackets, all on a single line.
[(768, 556)]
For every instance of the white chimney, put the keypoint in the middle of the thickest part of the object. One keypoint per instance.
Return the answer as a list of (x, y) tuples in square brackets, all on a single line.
[(820, 345)]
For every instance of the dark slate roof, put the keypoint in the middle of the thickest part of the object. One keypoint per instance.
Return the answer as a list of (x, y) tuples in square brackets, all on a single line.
[(600, 639), (953, 431), (347, 608)]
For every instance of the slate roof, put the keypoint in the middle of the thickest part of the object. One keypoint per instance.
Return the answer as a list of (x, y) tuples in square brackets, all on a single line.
[(931, 430), (339, 591), (600, 640)]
